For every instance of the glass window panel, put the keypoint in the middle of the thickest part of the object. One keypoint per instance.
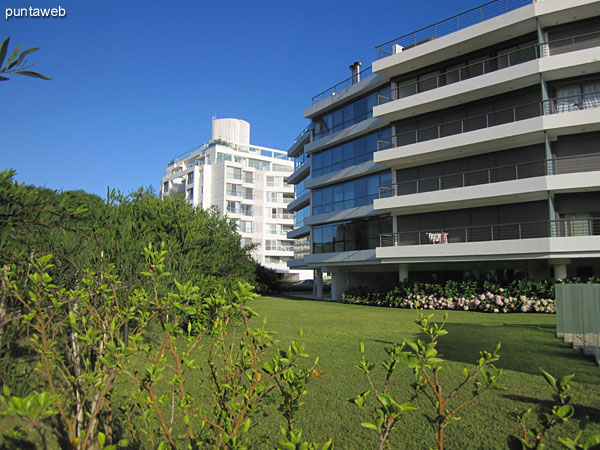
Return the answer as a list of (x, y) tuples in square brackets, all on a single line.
[(338, 193), (372, 185), (348, 151)]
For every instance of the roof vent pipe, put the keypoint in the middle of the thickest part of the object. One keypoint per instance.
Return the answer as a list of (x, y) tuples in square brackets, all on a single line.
[(355, 68)]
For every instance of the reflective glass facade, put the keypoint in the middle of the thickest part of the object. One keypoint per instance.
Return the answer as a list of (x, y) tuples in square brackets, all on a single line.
[(301, 215), (360, 234), (347, 115), (347, 154), (350, 194)]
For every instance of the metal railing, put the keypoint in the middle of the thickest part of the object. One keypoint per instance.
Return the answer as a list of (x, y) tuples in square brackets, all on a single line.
[(490, 65), (552, 106), (496, 232), (450, 25), (308, 128), (555, 166), (333, 90)]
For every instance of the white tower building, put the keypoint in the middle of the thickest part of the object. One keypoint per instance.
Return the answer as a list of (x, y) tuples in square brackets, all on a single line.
[(247, 183)]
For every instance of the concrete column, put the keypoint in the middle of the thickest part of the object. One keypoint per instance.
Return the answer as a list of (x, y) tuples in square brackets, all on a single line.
[(318, 284), (560, 268), (336, 295), (403, 272), (560, 272)]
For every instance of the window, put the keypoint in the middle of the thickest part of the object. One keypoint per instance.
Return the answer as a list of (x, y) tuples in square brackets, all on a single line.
[(234, 173), (351, 194), (234, 189), (190, 178), (245, 226), (223, 157), (361, 234), (166, 187), (190, 194), (278, 168), (258, 164), (248, 177), (347, 115), (349, 153)]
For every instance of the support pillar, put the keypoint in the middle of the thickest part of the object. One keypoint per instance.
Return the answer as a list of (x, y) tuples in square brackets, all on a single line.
[(560, 268), (318, 284), (403, 272), (336, 295), (560, 272)]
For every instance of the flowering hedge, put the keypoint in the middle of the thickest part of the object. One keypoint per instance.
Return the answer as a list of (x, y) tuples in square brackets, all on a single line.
[(519, 296)]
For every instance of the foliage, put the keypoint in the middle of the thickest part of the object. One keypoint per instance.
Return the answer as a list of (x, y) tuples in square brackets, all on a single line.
[(81, 352), (561, 412), (424, 359), (267, 282), (237, 381), (518, 296), (387, 411), (76, 335), (16, 63), (84, 232)]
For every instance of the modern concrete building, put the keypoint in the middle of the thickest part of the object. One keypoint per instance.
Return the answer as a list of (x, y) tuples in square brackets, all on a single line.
[(471, 145), (247, 183)]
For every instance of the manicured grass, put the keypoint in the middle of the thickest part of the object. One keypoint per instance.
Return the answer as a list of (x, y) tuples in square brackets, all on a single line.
[(334, 332)]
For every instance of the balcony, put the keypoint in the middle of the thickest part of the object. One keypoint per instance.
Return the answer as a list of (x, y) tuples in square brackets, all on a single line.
[(545, 239), (555, 166), (480, 68), (515, 127), (339, 87), (448, 26), (498, 232)]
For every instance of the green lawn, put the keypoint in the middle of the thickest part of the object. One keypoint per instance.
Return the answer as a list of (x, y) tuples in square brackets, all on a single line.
[(334, 332)]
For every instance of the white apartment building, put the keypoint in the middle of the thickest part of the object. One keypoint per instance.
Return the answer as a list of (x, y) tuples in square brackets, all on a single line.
[(247, 183), (470, 145)]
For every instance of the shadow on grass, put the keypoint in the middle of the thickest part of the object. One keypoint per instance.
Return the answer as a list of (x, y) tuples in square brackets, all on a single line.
[(525, 348), (581, 411)]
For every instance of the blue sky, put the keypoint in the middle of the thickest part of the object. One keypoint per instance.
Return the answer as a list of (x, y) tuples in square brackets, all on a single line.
[(136, 83)]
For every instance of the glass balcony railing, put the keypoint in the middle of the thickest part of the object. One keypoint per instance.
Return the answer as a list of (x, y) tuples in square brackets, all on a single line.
[(552, 106), (497, 232), (298, 161), (490, 65), (447, 26), (555, 166)]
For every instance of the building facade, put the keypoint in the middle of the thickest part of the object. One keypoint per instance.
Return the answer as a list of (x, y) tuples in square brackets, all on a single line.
[(247, 183), (470, 146)]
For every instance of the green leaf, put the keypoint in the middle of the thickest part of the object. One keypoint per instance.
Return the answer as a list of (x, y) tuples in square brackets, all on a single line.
[(13, 55), (101, 438), (162, 446), (369, 426), (549, 378), (22, 57), (3, 50), (29, 73), (594, 440)]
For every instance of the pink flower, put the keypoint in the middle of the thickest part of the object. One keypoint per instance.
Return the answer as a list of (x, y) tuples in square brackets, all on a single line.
[(495, 310)]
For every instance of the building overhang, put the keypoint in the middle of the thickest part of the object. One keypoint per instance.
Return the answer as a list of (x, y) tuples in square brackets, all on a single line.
[(515, 249), (504, 192)]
